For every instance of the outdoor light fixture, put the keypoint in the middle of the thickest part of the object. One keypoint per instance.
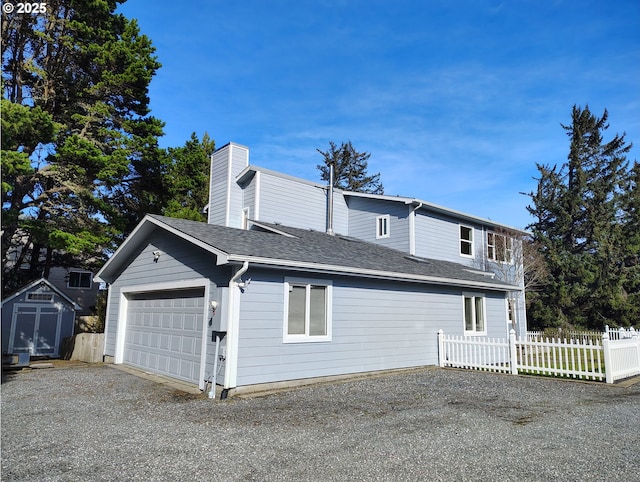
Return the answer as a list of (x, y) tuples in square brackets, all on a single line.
[(156, 256)]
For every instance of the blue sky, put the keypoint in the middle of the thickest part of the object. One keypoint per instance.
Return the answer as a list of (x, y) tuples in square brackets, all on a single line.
[(455, 101)]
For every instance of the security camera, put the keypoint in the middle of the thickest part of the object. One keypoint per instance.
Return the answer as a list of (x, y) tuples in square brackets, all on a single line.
[(156, 256), (213, 304), (156, 253)]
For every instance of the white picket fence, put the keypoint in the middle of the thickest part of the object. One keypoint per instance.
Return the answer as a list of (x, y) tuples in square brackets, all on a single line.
[(580, 357), (596, 336)]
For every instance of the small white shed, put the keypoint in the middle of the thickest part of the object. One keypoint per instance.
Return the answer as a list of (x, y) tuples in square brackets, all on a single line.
[(35, 320)]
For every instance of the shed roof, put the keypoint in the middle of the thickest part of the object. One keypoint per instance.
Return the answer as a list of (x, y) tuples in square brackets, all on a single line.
[(278, 246), (37, 283)]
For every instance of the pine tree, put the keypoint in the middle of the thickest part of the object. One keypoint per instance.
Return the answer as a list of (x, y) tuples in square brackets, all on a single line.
[(88, 69), (577, 209), (350, 169), (188, 179)]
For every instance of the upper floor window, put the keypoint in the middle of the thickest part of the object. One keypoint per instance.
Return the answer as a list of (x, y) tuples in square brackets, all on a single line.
[(307, 310), (474, 315), (466, 241), (382, 226), (78, 279), (499, 248)]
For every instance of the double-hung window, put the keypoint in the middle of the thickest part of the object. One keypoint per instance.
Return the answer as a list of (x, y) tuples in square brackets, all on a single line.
[(307, 310), (466, 241), (382, 226), (474, 314), (499, 248)]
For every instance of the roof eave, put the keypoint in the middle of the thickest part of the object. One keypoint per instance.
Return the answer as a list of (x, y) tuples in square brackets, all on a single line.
[(105, 275), (369, 273), (51, 286)]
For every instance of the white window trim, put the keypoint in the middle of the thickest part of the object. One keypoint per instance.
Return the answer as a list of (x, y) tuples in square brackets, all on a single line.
[(39, 297), (122, 321), (380, 233), (306, 338), (473, 307), (508, 248), (246, 215), (460, 240)]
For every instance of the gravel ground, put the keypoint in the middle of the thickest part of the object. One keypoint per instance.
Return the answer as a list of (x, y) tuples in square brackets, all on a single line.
[(94, 422)]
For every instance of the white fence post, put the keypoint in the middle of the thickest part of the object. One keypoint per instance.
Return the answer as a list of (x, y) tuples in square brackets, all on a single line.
[(513, 354), (634, 336), (608, 365), (441, 357)]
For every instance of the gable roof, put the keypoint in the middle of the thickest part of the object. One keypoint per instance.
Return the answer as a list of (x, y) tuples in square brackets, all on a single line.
[(249, 171), (46, 282), (277, 246)]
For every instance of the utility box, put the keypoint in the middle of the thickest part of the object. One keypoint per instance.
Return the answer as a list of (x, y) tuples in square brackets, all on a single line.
[(218, 319)]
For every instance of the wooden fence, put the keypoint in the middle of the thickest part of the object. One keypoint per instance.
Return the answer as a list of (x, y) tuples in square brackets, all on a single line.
[(580, 357)]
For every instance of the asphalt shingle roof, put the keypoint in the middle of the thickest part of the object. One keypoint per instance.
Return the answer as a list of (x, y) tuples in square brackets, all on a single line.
[(311, 248)]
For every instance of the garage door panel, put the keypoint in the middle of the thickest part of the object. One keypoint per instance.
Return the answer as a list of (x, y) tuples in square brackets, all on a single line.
[(164, 333)]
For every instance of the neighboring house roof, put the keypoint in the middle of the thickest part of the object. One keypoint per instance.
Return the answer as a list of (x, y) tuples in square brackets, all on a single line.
[(278, 246), (37, 282)]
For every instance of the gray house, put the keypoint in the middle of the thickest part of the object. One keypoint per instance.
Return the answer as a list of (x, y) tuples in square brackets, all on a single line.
[(240, 191), (279, 303), (36, 319)]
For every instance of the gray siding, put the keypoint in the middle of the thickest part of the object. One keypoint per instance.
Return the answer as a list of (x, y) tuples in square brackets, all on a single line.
[(362, 221), (179, 261), (239, 161), (225, 196), (496, 306), (218, 187), (58, 303), (249, 197), (439, 238), (298, 204), (376, 326), (85, 297)]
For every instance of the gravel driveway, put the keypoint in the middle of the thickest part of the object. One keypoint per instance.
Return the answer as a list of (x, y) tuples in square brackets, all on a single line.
[(94, 422)]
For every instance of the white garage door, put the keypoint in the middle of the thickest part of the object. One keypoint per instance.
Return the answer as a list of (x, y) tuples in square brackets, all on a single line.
[(164, 333)]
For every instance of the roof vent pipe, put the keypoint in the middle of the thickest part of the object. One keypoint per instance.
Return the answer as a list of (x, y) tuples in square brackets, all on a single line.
[(330, 202)]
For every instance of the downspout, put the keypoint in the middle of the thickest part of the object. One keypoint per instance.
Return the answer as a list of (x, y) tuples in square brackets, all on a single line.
[(412, 229), (233, 321)]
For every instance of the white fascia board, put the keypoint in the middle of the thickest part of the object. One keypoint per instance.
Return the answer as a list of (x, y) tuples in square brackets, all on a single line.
[(144, 228), (125, 247), (272, 229), (369, 273), (35, 283), (221, 255), (249, 171), (435, 207), (463, 216)]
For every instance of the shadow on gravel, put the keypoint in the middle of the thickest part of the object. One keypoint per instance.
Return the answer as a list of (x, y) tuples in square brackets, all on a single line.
[(8, 375)]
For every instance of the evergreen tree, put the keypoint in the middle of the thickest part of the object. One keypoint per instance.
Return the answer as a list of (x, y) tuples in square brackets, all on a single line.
[(81, 72), (578, 227), (350, 169), (188, 179), (631, 237)]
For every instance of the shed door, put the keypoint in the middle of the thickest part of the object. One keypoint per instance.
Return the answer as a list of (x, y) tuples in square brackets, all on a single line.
[(164, 333), (35, 329)]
